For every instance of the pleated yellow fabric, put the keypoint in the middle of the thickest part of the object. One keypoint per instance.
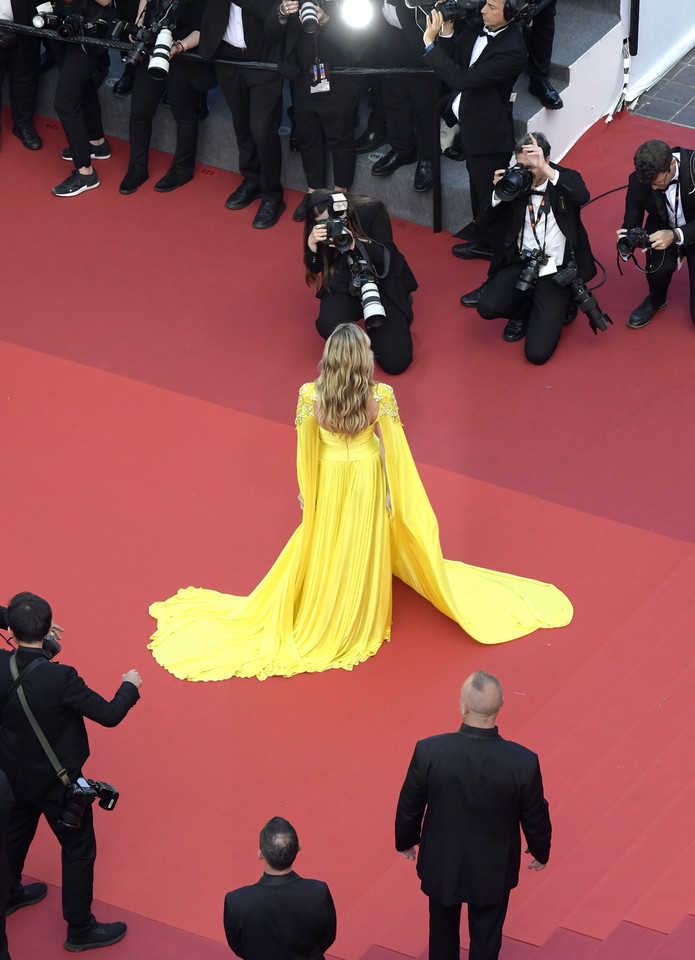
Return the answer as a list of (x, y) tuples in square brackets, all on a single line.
[(326, 602)]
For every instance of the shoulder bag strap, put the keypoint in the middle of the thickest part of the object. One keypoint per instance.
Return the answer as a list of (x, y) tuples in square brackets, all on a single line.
[(47, 748)]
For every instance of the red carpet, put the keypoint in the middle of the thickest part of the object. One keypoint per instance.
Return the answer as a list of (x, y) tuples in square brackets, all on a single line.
[(151, 350)]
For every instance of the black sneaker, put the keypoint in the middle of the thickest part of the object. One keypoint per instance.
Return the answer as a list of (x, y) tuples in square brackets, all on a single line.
[(101, 152), (101, 935), (28, 894), (76, 183)]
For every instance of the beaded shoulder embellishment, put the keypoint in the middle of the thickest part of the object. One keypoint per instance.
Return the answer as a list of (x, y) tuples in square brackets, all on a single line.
[(388, 406), (305, 403)]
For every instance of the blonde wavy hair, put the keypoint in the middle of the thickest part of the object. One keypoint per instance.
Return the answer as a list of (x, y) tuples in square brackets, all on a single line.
[(344, 385)]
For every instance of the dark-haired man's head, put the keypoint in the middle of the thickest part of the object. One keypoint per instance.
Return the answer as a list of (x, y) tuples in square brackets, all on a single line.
[(279, 844), (654, 163), (29, 617)]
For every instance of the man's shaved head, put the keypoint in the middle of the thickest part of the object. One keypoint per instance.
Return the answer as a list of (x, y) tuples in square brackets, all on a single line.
[(481, 696)]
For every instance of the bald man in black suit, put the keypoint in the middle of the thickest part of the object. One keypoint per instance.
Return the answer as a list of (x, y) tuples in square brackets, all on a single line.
[(282, 916), (464, 798)]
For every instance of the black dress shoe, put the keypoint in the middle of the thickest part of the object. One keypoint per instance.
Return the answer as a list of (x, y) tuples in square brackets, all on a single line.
[(455, 151), (131, 181), (515, 330), (370, 140), (392, 161), (171, 181), (472, 299), (245, 194), (299, 214), (472, 251), (124, 86), (546, 93), (28, 136), (268, 214), (643, 314), (424, 178)]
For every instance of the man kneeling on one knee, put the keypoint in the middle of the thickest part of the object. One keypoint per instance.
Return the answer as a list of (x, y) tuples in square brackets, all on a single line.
[(536, 232)]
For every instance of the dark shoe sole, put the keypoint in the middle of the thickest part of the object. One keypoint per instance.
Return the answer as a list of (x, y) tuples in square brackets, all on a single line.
[(81, 947), (167, 188)]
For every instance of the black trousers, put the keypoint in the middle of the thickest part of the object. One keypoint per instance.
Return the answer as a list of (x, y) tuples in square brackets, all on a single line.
[(77, 98), (481, 170), (326, 121), (255, 100), (21, 64), (544, 308), (484, 930), (660, 280), (539, 42), (184, 83), (409, 100), (79, 850), (391, 342)]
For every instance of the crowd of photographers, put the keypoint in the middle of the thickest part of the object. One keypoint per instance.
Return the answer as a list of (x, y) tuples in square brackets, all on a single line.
[(526, 219)]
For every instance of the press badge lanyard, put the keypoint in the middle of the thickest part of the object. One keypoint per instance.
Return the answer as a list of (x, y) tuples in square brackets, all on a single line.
[(542, 212)]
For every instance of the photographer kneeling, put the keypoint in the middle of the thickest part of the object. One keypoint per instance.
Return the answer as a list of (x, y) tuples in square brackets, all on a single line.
[(359, 272), (536, 230), (49, 700)]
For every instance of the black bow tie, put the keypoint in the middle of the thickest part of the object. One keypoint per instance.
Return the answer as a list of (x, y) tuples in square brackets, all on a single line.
[(538, 193)]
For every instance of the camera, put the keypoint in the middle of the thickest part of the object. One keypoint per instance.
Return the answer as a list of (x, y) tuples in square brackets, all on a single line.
[(308, 17), (155, 40), (338, 234), (82, 793), (466, 10), (633, 239), (583, 297), (517, 181), (533, 261), (363, 284)]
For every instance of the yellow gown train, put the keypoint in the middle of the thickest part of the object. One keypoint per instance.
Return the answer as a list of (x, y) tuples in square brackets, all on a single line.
[(326, 602)]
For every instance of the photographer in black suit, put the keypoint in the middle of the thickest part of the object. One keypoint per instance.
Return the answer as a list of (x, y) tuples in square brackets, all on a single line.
[(368, 231), (282, 916), (464, 798), (662, 187), (236, 31), (482, 69), (545, 222), (59, 700)]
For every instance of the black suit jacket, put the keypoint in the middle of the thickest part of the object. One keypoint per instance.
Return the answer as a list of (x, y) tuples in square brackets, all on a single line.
[(641, 199), (253, 14), (504, 221), (464, 798), (485, 111), (280, 918), (60, 700)]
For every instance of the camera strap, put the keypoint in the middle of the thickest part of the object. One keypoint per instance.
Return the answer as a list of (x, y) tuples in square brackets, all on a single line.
[(534, 221), (387, 258), (47, 748)]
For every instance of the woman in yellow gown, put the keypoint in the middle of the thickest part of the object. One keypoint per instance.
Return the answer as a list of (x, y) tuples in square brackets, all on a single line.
[(326, 602)]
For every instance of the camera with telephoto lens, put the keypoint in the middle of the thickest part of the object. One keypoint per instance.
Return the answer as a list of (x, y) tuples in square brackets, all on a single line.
[(338, 234), (155, 40), (158, 66), (533, 261), (82, 793), (583, 297), (633, 239), (308, 17), (363, 285), (517, 181)]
